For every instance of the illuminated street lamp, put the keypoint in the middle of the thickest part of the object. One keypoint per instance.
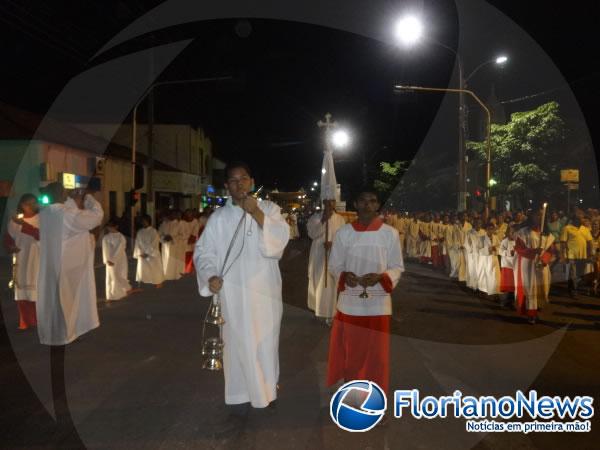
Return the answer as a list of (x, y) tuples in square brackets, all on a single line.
[(409, 30), (340, 139)]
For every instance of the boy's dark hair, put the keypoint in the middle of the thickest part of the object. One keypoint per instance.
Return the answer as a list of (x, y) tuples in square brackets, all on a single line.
[(146, 218), (113, 222), (367, 189), (237, 165)]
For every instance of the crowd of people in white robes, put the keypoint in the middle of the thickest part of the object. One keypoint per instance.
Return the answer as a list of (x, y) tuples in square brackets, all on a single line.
[(504, 255), (53, 254)]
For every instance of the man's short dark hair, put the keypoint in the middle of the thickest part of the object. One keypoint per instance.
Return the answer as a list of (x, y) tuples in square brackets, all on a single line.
[(113, 222), (367, 190), (237, 165)]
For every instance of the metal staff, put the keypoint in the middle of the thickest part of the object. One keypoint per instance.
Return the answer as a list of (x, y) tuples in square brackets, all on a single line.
[(326, 250)]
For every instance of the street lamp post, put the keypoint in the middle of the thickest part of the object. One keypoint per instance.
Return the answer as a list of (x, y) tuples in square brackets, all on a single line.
[(409, 30), (487, 133), (134, 132)]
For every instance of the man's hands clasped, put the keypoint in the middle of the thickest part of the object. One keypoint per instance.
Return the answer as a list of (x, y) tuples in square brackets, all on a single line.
[(368, 280)]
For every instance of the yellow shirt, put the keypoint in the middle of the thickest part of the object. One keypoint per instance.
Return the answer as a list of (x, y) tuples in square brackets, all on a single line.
[(576, 240)]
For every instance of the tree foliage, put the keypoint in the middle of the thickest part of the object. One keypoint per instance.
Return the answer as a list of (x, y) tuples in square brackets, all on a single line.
[(527, 154), (389, 175)]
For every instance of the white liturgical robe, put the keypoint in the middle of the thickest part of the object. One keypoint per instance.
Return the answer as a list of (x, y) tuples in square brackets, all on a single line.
[(250, 296), (375, 249), (113, 250), (28, 259), (149, 267), (66, 306), (321, 299), (173, 257)]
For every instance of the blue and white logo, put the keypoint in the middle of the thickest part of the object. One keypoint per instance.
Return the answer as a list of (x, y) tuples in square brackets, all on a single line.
[(358, 405)]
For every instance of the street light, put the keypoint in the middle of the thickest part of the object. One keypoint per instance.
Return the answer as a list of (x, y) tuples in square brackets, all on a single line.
[(315, 184), (340, 139), (409, 31)]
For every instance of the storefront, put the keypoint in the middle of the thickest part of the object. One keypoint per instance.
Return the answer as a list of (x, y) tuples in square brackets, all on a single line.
[(176, 190)]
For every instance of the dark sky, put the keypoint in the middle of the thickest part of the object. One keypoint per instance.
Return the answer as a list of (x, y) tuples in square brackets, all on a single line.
[(289, 74)]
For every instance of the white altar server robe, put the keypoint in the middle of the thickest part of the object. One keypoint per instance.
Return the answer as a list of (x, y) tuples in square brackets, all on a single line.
[(321, 299), (149, 269), (251, 297), (66, 306), (363, 252), (28, 259), (173, 259), (113, 250)]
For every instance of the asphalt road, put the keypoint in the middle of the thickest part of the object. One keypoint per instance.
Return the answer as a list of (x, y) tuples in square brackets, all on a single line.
[(136, 382)]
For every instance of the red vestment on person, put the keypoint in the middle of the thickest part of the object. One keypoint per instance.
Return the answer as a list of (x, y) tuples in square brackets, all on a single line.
[(359, 345)]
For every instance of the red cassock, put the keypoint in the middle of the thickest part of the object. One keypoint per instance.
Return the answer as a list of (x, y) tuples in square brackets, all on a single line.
[(189, 256), (436, 255), (507, 280), (359, 349)]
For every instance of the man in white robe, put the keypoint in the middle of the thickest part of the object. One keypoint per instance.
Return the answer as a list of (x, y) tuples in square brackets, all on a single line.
[(249, 287), (66, 306), (488, 260), (462, 230), (532, 270), (367, 259), (147, 253), (170, 237), (115, 261), (425, 235), (321, 298), (22, 241), (472, 244), (412, 237)]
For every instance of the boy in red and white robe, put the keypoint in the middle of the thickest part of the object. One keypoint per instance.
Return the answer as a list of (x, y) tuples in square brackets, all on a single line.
[(366, 258), (507, 264)]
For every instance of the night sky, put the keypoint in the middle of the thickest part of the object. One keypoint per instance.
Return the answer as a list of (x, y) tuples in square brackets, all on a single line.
[(288, 75)]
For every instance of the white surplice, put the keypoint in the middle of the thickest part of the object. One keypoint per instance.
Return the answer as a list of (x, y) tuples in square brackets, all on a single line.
[(425, 229), (251, 297), (149, 268), (28, 259), (117, 281), (451, 247), (66, 306), (173, 257), (463, 255), (412, 238), (363, 252), (321, 299), (472, 244), (190, 229), (490, 266), (533, 280)]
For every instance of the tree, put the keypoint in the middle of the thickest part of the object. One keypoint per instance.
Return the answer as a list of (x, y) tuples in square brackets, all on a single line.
[(527, 154), (389, 176)]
